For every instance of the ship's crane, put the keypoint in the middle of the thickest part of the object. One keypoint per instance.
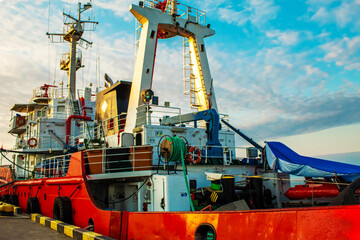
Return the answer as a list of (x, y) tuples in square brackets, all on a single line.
[(211, 117), (158, 21)]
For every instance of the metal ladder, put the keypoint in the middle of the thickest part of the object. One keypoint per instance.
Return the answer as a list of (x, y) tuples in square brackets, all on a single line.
[(189, 77), (76, 107)]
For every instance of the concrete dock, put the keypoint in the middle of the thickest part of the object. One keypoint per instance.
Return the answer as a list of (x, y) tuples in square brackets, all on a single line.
[(21, 227)]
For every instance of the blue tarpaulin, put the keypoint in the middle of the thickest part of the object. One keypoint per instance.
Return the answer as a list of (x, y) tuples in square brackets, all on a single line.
[(282, 158)]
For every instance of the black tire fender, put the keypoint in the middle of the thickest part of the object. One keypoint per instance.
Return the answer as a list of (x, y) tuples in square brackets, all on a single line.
[(14, 200), (32, 205), (6, 198), (62, 209)]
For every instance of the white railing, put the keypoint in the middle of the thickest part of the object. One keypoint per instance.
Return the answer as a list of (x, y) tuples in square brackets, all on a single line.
[(183, 11), (134, 158), (58, 93), (53, 167), (153, 114)]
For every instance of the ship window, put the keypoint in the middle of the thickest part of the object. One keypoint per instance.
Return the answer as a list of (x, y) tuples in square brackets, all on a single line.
[(38, 113), (60, 108)]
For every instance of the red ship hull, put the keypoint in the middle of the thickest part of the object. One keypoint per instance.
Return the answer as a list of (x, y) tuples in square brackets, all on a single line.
[(339, 222)]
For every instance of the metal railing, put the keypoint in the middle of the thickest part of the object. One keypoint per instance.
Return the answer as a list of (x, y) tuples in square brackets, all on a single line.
[(53, 167), (125, 159), (153, 114), (58, 93), (110, 126), (130, 159), (183, 11)]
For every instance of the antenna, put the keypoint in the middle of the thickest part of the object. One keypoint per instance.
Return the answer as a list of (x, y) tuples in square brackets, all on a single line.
[(72, 33)]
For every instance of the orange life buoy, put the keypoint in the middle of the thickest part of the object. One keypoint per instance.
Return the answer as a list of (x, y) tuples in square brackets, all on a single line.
[(194, 151), (32, 142)]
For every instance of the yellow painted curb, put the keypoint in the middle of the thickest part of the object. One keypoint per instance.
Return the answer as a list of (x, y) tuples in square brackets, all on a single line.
[(90, 235), (54, 224), (33, 216), (69, 230), (42, 220)]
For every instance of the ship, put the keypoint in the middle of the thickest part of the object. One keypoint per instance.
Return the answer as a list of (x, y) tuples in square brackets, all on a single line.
[(116, 162)]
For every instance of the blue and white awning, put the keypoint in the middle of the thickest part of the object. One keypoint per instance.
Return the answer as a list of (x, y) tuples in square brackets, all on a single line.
[(282, 158)]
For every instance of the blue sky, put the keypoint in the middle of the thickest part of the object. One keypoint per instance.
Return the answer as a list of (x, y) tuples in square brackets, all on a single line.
[(283, 70)]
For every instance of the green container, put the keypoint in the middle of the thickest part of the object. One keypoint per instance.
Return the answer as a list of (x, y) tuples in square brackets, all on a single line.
[(215, 186)]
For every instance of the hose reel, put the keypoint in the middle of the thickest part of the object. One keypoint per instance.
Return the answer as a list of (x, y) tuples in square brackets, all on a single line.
[(172, 149)]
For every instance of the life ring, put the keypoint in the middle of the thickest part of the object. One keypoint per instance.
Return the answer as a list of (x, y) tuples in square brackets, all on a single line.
[(32, 142), (193, 151)]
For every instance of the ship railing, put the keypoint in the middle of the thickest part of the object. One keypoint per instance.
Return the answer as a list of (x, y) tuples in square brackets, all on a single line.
[(153, 114), (123, 159), (86, 133), (182, 11), (41, 92), (53, 167), (42, 142), (61, 92), (87, 94), (110, 126), (138, 158), (225, 155)]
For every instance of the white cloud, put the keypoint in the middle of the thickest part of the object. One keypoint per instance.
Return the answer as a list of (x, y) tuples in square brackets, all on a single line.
[(257, 12), (119, 7), (315, 71), (233, 17), (285, 37), (278, 92), (344, 52), (344, 13), (322, 16)]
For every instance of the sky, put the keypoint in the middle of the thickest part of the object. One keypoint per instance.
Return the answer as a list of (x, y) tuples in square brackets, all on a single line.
[(283, 70)]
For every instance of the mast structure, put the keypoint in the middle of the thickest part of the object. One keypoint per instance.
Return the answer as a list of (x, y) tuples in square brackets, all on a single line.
[(164, 20), (73, 31)]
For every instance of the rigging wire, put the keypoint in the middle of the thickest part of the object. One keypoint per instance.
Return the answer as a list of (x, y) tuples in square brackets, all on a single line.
[(55, 69), (1, 151), (247, 129), (49, 49)]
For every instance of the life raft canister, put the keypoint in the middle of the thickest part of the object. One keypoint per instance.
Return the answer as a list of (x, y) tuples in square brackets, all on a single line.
[(32, 142), (194, 151)]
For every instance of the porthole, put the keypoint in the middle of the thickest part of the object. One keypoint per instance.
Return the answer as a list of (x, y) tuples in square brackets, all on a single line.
[(205, 231)]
